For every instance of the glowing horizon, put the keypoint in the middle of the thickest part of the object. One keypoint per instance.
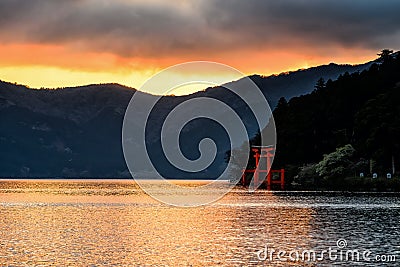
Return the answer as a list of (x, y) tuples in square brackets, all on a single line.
[(54, 77)]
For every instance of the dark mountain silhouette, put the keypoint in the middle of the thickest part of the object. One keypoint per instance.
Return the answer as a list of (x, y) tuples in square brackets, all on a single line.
[(76, 132), (359, 109)]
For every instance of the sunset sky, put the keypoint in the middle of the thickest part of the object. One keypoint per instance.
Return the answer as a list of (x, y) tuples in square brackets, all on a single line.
[(48, 43)]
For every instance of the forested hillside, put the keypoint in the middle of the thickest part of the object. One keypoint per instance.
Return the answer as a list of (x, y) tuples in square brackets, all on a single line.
[(360, 111)]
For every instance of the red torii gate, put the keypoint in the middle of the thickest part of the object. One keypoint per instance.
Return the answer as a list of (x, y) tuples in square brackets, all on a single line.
[(261, 155)]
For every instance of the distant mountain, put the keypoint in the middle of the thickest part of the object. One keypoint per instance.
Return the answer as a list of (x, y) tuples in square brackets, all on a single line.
[(301, 82), (76, 132)]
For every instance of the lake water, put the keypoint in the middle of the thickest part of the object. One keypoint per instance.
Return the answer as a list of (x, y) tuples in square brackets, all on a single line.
[(113, 223)]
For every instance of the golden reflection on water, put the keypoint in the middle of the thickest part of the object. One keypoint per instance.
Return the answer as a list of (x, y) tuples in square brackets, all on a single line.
[(113, 223), (84, 223)]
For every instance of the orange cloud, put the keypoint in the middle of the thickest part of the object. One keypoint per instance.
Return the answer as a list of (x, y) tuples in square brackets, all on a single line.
[(44, 65), (64, 56)]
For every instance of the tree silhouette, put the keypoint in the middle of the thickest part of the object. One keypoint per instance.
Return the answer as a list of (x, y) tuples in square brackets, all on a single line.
[(385, 55), (320, 84)]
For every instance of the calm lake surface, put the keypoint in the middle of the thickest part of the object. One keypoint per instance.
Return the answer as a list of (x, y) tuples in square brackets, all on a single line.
[(113, 223)]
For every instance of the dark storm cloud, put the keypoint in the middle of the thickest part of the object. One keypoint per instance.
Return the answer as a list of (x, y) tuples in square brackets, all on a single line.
[(158, 28), (118, 26), (313, 21)]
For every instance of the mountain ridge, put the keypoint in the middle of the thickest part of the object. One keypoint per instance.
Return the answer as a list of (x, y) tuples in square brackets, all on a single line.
[(76, 131)]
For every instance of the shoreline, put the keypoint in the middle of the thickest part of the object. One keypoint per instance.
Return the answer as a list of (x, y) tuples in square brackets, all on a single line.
[(288, 190)]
